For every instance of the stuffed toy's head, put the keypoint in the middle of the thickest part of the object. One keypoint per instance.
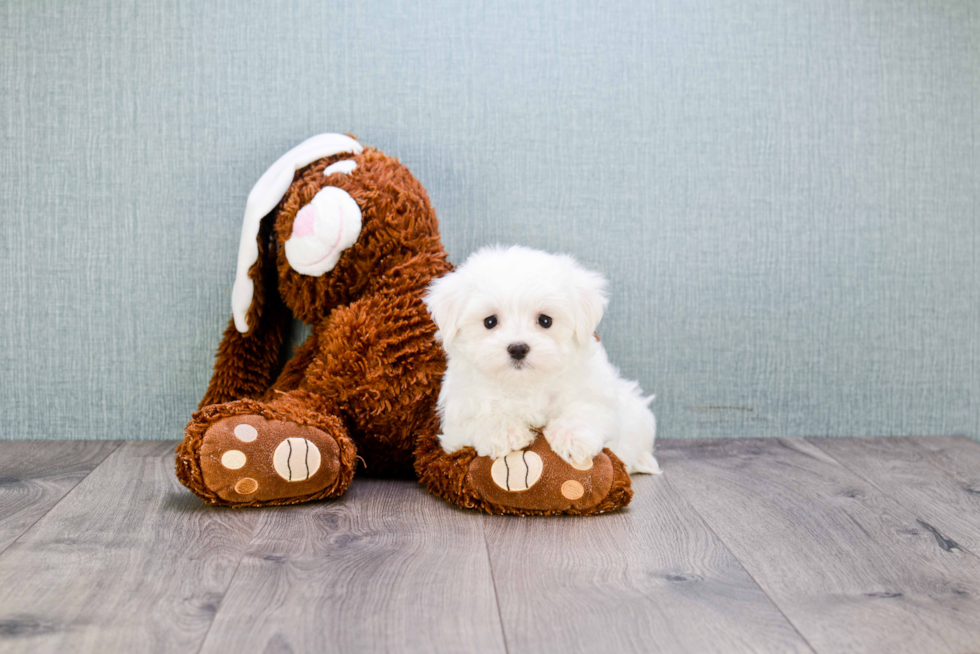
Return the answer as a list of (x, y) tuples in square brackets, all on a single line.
[(324, 223)]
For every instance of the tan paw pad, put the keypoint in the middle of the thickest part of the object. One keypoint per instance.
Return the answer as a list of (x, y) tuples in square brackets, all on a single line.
[(517, 471), (246, 486), (296, 459), (246, 433), (233, 459), (572, 490)]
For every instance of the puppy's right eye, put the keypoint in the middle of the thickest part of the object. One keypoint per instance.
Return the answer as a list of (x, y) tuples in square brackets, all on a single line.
[(490, 322)]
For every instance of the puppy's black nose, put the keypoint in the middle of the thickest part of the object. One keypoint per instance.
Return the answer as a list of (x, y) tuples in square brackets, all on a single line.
[(518, 350)]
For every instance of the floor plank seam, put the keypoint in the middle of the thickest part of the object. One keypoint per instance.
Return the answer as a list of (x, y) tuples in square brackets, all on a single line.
[(225, 592), (231, 580), (740, 563), (912, 510), (119, 445), (493, 584)]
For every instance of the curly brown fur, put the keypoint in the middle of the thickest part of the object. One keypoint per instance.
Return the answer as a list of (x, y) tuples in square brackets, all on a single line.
[(294, 370), (246, 362)]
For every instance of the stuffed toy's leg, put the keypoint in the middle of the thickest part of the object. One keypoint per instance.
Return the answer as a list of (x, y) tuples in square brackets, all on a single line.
[(534, 481), (251, 453)]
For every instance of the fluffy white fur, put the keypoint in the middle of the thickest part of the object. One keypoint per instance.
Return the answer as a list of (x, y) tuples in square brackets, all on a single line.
[(564, 385)]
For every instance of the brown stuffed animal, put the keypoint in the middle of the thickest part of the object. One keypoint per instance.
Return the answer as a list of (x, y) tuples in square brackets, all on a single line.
[(344, 239)]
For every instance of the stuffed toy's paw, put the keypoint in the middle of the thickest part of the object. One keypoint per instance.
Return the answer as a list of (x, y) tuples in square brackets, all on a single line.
[(536, 480), (532, 481), (246, 454), (246, 458)]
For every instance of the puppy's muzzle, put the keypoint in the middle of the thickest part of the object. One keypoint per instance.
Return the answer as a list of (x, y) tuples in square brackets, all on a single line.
[(518, 351)]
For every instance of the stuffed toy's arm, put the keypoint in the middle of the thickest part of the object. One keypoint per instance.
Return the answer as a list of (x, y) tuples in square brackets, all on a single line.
[(245, 363)]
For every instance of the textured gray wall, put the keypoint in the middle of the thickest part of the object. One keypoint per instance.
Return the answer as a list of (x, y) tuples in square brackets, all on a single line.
[(784, 195)]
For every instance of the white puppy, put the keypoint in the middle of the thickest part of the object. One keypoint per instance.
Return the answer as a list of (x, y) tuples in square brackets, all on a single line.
[(518, 326)]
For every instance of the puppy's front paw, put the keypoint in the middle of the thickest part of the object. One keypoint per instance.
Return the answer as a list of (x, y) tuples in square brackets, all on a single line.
[(499, 438), (493, 445), (519, 437), (576, 444)]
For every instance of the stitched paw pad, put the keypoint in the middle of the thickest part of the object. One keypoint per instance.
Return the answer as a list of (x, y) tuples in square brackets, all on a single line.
[(517, 471)]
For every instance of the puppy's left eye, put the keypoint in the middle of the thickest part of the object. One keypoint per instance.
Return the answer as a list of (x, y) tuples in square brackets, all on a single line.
[(544, 321)]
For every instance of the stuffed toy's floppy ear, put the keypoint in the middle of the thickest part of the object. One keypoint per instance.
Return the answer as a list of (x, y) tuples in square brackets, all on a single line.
[(248, 355), (263, 198), (245, 363), (588, 300), (446, 300)]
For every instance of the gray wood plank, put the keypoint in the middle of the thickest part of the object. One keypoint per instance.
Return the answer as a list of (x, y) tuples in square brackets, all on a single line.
[(958, 456), (385, 568), (850, 567), (651, 578), (129, 561), (915, 477), (35, 475)]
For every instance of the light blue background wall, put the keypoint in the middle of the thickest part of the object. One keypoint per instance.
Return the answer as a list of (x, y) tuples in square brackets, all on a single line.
[(784, 195)]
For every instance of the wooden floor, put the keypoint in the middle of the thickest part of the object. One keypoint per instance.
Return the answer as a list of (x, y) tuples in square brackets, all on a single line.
[(789, 545)]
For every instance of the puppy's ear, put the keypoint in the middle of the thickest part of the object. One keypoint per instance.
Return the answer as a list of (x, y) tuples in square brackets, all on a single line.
[(588, 300), (446, 300)]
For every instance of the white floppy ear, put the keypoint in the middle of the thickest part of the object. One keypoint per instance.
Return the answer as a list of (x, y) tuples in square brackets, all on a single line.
[(446, 301), (588, 300), (264, 197)]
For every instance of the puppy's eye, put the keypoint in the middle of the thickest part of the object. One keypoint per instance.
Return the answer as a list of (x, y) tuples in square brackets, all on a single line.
[(544, 321), (490, 322)]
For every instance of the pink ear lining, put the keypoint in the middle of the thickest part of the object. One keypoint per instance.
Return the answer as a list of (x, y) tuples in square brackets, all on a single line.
[(303, 224)]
